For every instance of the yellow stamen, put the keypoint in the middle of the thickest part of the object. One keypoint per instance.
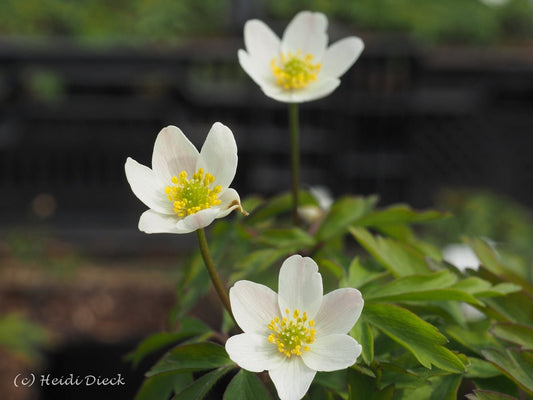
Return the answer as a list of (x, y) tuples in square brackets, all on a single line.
[(292, 336), (188, 196), (294, 71)]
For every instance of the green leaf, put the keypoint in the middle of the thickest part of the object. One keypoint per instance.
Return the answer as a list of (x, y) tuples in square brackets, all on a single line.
[(364, 387), (398, 258), (246, 386), (475, 337), (201, 387), (438, 388), (293, 237), (479, 368), (515, 364), (413, 283), (399, 214), (362, 332), (277, 205), (359, 275), (163, 385), (521, 335), (343, 213), (189, 327), (192, 357), (421, 338), (488, 395)]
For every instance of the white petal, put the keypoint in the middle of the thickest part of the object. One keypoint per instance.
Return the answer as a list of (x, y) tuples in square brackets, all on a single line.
[(339, 311), (253, 306), (306, 32), (261, 44), (292, 379), (147, 187), (198, 220), (173, 153), (257, 72), (229, 201), (300, 285), (253, 352), (333, 352), (219, 155), (314, 91), (153, 222), (340, 56)]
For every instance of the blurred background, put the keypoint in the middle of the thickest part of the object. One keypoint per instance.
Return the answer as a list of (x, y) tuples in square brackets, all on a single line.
[(437, 112)]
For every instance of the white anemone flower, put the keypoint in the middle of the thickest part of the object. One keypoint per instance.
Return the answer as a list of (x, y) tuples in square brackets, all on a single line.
[(186, 190), (300, 67), (297, 332)]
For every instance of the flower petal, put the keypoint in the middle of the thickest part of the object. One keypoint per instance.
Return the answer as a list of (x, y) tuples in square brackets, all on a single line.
[(229, 201), (146, 187), (306, 33), (332, 352), (253, 306), (340, 56), (219, 155), (173, 153), (198, 220), (153, 222), (253, 352), (292, 378), (257, 72), (261, 44), (314, 91), (339, 311), (300, 285)]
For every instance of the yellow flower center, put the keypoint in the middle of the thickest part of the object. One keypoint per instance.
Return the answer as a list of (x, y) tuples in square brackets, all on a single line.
[(292, 333), (294, 71), (188, 196)]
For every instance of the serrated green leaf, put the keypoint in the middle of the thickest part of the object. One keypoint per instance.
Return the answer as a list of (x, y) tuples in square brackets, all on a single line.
[(413, 283), (359, 274), (192, 357), (421, 338), (189, 327), (246, 386), (163, 385), (398, 258), (515, 364), (474, 337), (399, 214), (429, 295), (343, 213), (201, 387), (479, 368), (521, 335), (362, 332)]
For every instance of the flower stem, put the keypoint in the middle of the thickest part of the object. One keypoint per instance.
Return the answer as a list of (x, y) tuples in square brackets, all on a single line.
[(215, 278), (295, 160)]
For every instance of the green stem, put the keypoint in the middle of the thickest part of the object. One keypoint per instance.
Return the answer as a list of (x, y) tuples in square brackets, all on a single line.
[(295, 160), (215, 278)]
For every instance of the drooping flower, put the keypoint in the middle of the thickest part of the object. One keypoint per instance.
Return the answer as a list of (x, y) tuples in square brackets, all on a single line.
[(186, 190), (300, 67), (324, 198), (297, 332)]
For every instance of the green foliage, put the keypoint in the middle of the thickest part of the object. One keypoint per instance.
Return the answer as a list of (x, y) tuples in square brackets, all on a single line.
[(417, 342), (22, 337)]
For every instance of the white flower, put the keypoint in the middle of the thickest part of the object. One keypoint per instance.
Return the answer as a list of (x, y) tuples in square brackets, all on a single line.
[(299, 67), (461, 256), (186, 190), (297, 332), (312, 213)]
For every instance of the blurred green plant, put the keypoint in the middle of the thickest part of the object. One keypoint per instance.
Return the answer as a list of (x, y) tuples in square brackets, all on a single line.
[(431, 21), (23, 338)]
